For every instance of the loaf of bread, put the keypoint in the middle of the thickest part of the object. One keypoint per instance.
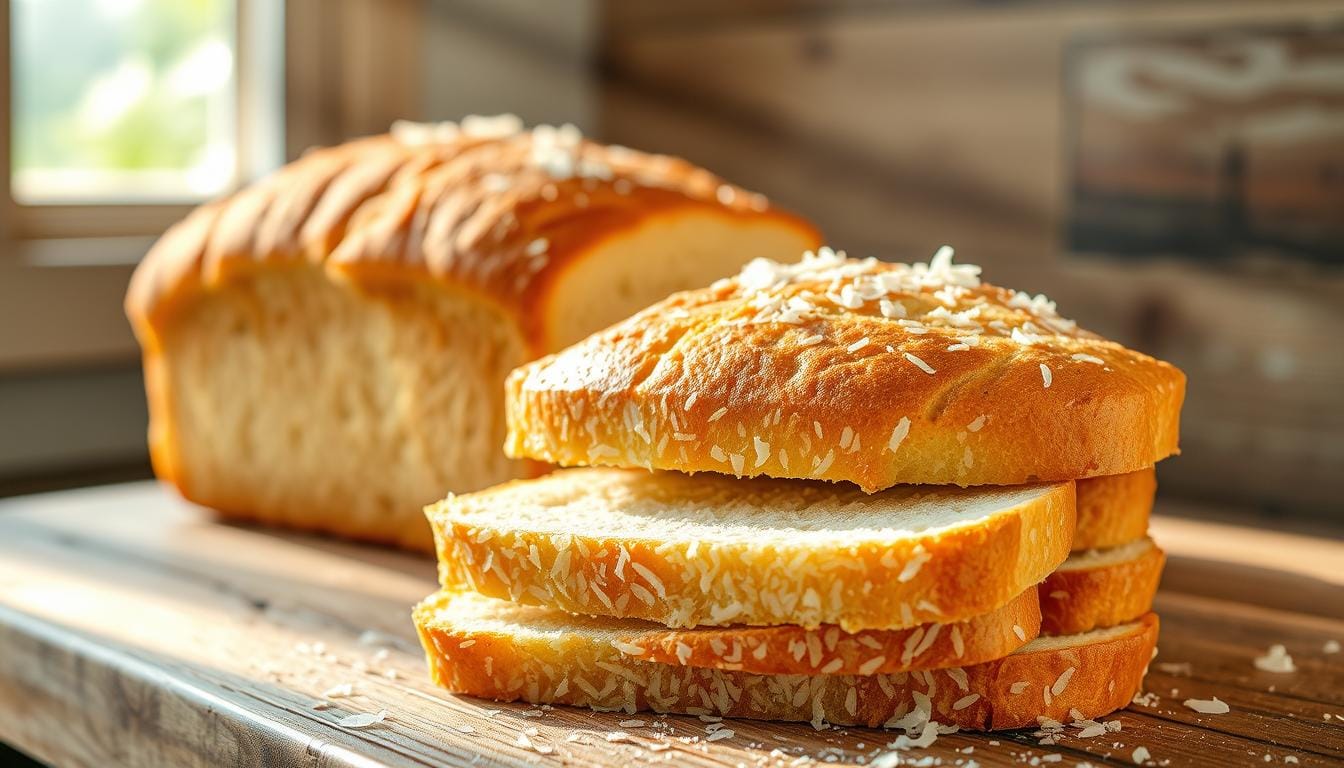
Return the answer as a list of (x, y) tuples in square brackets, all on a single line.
[(712, 550), (841, 369), (510, 652), (326, 349)]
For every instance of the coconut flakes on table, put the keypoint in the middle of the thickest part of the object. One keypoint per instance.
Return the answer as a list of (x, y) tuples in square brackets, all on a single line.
[(363, 719), (1208, 706), (339, 691), (525, 741), (1146, 699), (1277, 661), (927, 736)]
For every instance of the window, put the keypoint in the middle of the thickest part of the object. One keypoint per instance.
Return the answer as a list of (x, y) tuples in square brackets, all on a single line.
[(125, 113), (139, 105), (118, 117)]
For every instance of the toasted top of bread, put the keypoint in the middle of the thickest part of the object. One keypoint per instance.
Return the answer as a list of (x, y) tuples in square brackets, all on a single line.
[(840, 369), (484, 206), (712, 550)]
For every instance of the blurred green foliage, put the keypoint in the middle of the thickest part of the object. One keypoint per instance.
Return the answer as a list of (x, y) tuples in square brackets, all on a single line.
[(119, 84)]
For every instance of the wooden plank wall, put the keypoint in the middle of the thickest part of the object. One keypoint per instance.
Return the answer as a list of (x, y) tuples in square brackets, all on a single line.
[(899, 126), (491, 56), (352, 67)]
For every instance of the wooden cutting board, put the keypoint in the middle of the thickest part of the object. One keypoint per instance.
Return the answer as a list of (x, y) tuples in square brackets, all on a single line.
[(135, 630)]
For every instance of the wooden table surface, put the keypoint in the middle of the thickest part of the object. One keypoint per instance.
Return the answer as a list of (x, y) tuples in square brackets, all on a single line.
[(135, 630)]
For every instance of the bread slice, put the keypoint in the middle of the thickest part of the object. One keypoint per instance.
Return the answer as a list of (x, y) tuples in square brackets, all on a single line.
[(1101, 588), (327, 348), (792, 650), (508, 652), (713, 550), (1114, 509), (863, 371)]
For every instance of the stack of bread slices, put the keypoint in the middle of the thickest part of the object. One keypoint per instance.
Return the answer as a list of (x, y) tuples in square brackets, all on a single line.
[(837, 491)]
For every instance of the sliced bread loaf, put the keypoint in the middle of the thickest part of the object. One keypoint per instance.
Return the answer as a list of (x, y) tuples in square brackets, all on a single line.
[(506, 651), (1089, 591), (713, 550), (840, 369), (1101, 588)]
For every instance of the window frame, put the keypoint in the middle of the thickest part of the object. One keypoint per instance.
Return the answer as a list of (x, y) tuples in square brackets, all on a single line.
[(96, 245), (328, 70), (23, 222)]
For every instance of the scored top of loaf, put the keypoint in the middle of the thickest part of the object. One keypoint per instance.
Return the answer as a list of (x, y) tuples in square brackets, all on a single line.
[(857, 370), (485, 205)]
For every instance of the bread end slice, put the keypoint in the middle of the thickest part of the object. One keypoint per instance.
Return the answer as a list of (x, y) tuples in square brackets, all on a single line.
[(1114, 509), (509, 652), (1101, 588)]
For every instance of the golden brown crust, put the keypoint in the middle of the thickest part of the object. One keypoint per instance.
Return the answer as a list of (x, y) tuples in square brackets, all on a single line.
[(494, 217), (1092, 675), (1114, 509), (942, 574), (499, 215), (1082, 596), (792, 650), (821, 374)]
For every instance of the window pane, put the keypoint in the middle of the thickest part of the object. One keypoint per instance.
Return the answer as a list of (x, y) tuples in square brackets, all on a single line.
[(122, 100)]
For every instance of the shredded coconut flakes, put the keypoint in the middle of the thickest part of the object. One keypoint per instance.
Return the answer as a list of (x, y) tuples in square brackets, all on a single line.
[(1277, 661), (1208, 706), (363, 720), (923, 366)]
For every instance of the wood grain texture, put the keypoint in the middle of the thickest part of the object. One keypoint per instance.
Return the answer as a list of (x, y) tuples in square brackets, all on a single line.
[(136, 630)]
